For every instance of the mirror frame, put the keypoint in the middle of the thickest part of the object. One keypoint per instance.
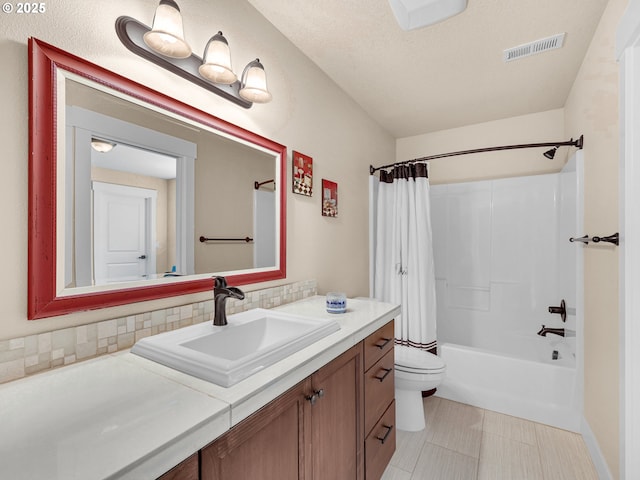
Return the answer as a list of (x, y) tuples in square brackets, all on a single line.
[(43, 299)]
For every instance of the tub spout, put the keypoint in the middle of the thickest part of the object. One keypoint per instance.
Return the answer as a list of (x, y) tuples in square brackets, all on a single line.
[(556, 331)]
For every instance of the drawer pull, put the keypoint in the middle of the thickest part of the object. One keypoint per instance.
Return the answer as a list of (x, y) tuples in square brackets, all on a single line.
[(383, 343), (386, 435), (387, 371)]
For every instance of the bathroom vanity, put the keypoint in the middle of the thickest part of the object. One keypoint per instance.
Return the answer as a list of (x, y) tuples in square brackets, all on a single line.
[(316, 429), (325, 411)]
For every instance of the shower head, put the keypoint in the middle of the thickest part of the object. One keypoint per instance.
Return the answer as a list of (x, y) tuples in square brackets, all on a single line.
[(550, 153)]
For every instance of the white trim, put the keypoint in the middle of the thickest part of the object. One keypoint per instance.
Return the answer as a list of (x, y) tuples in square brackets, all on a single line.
[(86, 123), (594, 450), (628, 53), (628, 33)]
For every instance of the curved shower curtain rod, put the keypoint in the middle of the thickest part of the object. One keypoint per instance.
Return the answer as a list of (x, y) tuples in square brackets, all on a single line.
[(579, 143)]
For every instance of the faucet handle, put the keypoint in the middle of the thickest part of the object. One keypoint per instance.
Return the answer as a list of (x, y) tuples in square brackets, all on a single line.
[(220, 282)]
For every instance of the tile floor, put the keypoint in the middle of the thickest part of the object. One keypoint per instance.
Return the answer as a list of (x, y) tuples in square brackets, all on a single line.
[(462, 442)]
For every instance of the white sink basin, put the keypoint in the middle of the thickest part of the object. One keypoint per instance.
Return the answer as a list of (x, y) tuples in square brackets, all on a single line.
[(251, 341)]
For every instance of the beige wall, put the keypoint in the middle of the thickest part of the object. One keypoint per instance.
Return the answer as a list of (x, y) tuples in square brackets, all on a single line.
[(538, 127), (309, 113), (225, 173), (592, 109)]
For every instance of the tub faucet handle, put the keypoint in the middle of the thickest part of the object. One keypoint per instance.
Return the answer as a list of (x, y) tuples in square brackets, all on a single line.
[(562, 310)]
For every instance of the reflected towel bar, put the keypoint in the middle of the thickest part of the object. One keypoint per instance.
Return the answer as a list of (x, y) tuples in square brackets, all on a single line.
[(207, 239)]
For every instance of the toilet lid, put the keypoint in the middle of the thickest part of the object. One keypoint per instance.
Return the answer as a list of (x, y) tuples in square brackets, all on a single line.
[(410, 359)]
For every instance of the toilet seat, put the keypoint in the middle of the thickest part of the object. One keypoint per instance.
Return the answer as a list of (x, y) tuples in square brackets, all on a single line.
[(414, 360)]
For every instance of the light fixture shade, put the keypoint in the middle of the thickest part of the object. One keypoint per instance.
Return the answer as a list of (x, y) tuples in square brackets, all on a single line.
[(253, 87), (167, 34), (216, 64), (101, 146)]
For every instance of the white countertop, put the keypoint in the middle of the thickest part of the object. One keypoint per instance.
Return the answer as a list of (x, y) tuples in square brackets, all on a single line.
[(123, 416)]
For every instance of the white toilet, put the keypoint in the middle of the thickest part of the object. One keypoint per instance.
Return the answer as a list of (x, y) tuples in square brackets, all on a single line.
[(416, 371)]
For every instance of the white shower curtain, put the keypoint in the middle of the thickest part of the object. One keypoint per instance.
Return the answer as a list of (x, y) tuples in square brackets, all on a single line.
[(403, 253)]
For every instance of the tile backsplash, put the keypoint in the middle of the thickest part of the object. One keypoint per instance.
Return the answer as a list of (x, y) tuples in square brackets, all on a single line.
[(31, 354)]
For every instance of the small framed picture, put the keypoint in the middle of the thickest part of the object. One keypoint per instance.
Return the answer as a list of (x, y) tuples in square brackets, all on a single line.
[(329, 198), (302, 174)]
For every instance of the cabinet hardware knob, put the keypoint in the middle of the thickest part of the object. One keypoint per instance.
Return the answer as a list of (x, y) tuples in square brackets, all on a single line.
[(386, 435), (383, 344), (142, 257), (387, 371), (313, 398)]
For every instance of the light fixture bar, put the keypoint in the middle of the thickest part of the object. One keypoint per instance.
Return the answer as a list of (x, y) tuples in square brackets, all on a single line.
[(130, 32)]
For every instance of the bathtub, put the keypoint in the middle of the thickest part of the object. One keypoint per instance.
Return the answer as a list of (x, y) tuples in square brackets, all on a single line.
[(534, 387)]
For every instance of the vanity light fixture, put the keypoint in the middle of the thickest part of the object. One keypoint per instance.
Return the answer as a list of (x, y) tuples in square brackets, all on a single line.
[(101, 146), (253, 86), (216, 63), (164, 45), (166, 36)]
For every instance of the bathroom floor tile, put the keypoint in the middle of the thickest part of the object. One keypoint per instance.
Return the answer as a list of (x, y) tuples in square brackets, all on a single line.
[(438, 463), (409, 444), (507, 459), (458, 427), (514, 428), (408, 448), (468, 443), (393, 473), (564, 455)]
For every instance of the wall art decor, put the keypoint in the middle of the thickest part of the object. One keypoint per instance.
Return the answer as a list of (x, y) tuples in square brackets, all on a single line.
[(302, 174), (329, 198)]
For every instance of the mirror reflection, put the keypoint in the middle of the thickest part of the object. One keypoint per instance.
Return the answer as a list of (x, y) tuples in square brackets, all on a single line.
[(142, 187)]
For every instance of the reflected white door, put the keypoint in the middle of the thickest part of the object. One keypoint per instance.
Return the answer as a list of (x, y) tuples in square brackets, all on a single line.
[(123, 233)]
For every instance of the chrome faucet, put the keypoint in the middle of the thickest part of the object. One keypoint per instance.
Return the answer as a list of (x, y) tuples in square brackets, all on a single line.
[(557, 331), (220, 294)]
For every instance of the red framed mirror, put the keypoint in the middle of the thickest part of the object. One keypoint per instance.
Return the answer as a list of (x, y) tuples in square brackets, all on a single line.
[(49, 292)]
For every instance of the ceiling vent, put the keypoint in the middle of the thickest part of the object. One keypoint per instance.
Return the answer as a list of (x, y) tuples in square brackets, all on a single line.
[(531, 48)]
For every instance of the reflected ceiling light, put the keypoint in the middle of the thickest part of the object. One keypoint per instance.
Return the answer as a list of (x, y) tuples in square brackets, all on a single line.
[(101, 146), (253, 86), (166, 36), (164, 45), (216, 63)]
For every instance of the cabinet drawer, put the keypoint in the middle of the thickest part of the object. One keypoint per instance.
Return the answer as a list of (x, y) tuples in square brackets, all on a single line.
[(380, 444), (379, 390), (378, 344)]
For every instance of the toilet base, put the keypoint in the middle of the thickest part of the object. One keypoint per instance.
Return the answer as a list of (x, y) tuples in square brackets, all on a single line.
[(409, 410)]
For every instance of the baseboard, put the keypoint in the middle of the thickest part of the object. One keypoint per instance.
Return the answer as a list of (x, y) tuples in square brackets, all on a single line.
[(594, 450)]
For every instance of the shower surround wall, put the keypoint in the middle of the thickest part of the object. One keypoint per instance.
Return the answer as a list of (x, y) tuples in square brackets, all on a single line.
[(502, 257)]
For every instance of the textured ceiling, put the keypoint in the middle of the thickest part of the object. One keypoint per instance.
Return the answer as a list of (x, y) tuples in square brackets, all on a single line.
[(446, 75)]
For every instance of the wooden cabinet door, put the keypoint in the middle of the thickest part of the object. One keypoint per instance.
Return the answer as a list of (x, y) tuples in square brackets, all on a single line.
[(269, 445), (186, 470), (337, 422)]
